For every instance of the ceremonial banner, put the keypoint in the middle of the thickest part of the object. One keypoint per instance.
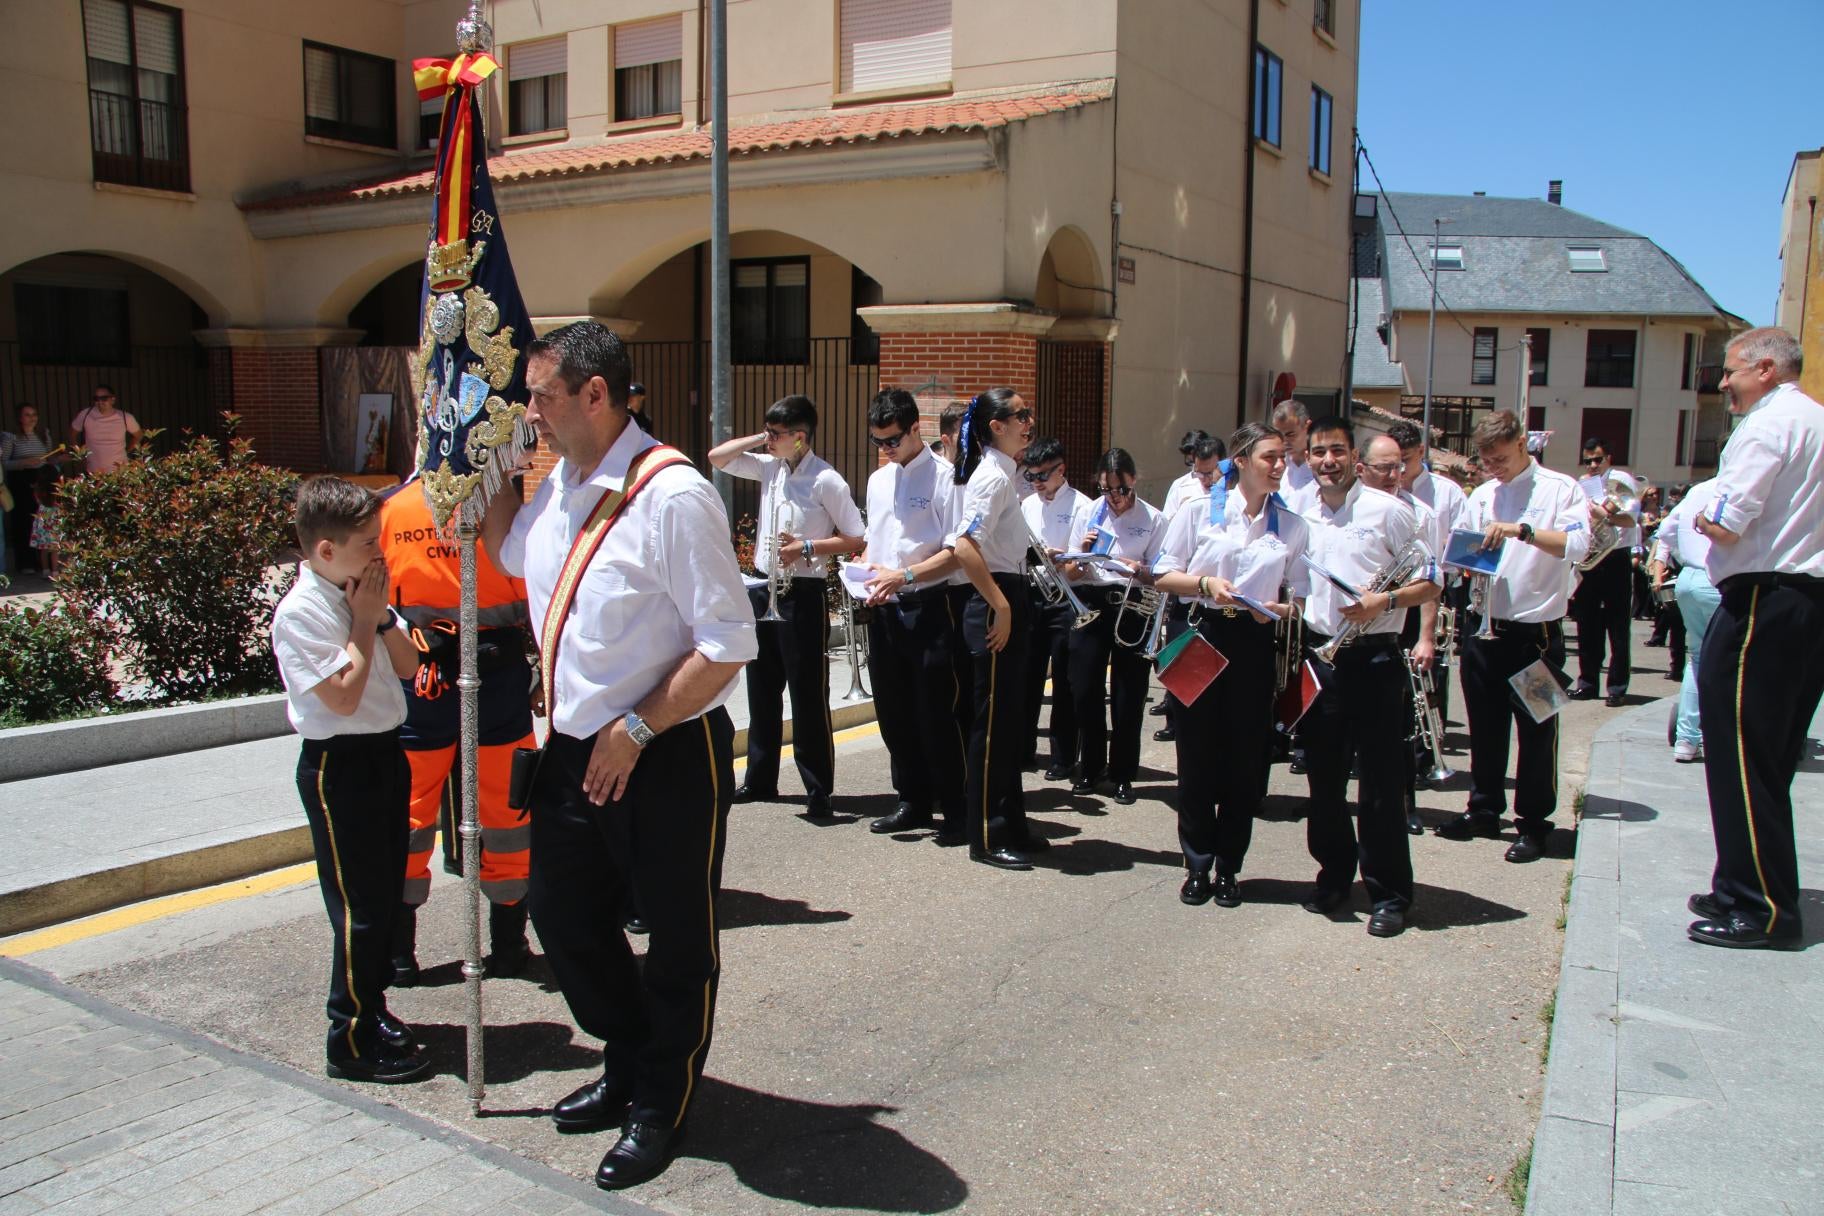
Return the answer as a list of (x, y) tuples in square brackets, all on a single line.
[(469, 375)]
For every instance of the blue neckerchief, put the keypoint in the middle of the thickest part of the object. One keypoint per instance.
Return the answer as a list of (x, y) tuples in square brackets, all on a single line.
[(1219, 509), (1105, 536)]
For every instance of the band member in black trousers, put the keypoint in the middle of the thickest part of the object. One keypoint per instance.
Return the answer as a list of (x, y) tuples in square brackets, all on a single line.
[(1206, 459), (1055, 514)]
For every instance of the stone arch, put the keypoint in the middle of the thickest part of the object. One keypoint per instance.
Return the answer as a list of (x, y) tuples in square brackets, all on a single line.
[(364, 279), (608, 297), (210, 302), (1070, 276)]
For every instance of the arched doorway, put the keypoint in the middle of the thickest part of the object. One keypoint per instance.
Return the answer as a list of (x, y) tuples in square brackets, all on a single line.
[(1072, 371)]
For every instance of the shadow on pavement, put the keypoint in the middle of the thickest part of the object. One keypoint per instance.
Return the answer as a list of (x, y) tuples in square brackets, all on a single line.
[(818, 1154), (1600, 806), (742, 909), (514, 1052), (1435, 908), (1082, 857)]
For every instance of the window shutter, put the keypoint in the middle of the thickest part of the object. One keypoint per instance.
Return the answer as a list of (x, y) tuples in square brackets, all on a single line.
[(320, 84), (749, 277), (647, 42), (890, 44), (105, 26), (155, 39), (791, 274), (546, 57)]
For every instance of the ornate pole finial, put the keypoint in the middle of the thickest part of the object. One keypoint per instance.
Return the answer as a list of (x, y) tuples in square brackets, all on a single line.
[(474, 35)]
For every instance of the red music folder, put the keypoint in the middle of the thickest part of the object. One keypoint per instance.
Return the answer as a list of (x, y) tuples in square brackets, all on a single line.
[(1297, 700), (1188, 665)]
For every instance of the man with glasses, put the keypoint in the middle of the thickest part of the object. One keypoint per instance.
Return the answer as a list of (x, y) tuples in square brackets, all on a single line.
[(806, 516), (105, 431), (1299, 490), (913, 500), (1763, 669), (1056, 513), (1603, 604), (1205, 457)]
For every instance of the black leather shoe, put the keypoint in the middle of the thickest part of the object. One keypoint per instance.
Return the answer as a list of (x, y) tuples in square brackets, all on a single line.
[(507, 960), (1083, 785), (818, 808), (1195, 891), (1323, 901), (601, 1103), (1158, 711), (641, 1154), (397, 1036), (1165, 736), (1705, 905), (636, 925), (1677, 673), (746, 793), (1387, 922), (1616, 700), (1001, 859), (1057, 772), (905, 819), (948, 839), (1414, 825), (1527, 848), (1298, 763), (1124, 793), (384, 1067), (1582, 692), (1467, 827), (1739, 933), (1228, 892)]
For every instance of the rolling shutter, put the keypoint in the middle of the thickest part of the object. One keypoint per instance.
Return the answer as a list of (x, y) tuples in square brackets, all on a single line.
[(890, 44)]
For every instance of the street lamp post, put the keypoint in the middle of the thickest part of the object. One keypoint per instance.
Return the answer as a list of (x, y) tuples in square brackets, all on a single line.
[(1431, 333)]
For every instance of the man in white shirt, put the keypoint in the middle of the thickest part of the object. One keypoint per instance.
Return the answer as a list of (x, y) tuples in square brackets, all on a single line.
[(1763, 669), (1446, 501), (1357, 534), (1056, 514), (913, 501), (632, 791), (806, 516), (1299, 489), (1538, 522), (1604, 601)]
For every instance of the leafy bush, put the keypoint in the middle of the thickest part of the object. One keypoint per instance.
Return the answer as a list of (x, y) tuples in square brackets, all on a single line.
[(168, 555), (52, 665)]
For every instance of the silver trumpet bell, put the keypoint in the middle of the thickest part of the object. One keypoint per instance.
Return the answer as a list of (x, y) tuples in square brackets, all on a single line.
[(1053, 587)]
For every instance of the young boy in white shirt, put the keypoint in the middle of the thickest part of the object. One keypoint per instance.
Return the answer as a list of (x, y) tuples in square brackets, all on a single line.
[(329, 633)]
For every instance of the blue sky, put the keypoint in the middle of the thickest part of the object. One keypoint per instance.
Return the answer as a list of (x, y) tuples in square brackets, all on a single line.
[(1681, 127)]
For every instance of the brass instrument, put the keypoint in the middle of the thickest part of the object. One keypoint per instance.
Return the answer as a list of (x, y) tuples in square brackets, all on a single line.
[(1427, 727), (1147, 604), (778, 578), (1289, 640), (1605, 537), (1445, 632), (852, 652), (1480, 593), (1053, 587), (1415, 557)]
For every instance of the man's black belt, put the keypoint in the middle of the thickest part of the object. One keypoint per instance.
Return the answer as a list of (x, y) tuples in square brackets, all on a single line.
[(1371, 641), (1803, 582), (1501, 625)]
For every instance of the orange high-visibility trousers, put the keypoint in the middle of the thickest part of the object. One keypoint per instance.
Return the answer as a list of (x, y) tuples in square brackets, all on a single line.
[(506, 835)]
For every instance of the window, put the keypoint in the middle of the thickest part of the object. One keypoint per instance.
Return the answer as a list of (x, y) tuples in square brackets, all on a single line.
[(84, 326), (1586, 258), (1542, 356), (430, 120), (138, 132), (1609, 362), (349, 96), (649, 69), (1321, 106), (771, 300), (1482, 356), (864, 292), (1681, 450), (537, 80), (894, 44), (1535, 417), (1323, 16), (1268, 71), (1687, 366), (1446, 257), (1614, 427)]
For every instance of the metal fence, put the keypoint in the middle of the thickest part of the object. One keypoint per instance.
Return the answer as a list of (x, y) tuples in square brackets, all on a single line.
[(1071, 380), (161, 386), (139, 142)]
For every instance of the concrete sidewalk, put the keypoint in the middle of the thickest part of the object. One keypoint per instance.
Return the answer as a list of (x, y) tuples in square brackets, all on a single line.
[(1682, 1078), (81, 842), (103, 1110)]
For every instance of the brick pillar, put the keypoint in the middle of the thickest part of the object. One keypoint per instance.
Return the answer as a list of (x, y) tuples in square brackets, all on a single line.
[(271, 377), (950, 352)]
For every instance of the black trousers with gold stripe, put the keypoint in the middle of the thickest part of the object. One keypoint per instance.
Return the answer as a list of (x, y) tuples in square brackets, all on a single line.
[(993, 803), (356, 791), (663, 841), (910, 642), (1494, 714), (1757, 689), (794, 654)]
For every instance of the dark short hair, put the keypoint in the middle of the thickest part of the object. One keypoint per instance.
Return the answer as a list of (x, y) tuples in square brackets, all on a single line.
[(893, 405), (952, 417), (331, 509), (1209, 447), (1191, 439), (1116, 462), (1332, 422), (584, 350), (794, 413), (1594, 442), (1407, 435), (1043, 451), (1501, 426), (99, 387)]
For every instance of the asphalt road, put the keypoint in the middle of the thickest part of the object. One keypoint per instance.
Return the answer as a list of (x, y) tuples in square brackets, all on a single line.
[(901, 1030)]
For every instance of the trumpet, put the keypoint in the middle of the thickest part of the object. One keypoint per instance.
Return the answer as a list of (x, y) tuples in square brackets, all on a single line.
[(1289, 639), (1396, 573), (1427, 728), (1148, 605), (1446, 631), (778, 578), (1479, 596), (1053, 587), (852, 652)]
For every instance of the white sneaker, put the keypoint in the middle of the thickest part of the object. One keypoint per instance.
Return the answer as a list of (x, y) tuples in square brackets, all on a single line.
[(1685, 752)]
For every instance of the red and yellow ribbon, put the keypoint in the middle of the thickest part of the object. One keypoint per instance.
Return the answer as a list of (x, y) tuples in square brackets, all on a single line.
[(453, 79)]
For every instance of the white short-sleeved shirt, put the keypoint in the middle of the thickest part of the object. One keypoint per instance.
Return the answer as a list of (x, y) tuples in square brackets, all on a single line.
[(1257, 554), (1530, 585), (1180, 492), (912, 510), (1137, 536), (1443, 496), (1297, 477), (811, 501), (310, 635), (1677, 541), (1356, 542), (1057, 524), (991, 514), (1771, 489), (663, 583)]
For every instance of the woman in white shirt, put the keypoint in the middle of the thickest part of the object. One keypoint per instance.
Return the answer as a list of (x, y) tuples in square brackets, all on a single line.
[(990, 544), (1241, 542)]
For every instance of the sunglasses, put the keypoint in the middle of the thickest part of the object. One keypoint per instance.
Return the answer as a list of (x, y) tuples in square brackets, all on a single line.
[(1118, 491), (1593, 460), (103, 397), (1022, 415), (888, 443), (778, 435), (1040, 476)]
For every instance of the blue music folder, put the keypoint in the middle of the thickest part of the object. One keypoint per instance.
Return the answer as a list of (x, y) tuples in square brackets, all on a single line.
[(1465, 552)]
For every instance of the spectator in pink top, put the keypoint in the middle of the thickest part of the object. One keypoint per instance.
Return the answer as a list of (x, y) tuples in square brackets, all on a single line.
[(108, 432)]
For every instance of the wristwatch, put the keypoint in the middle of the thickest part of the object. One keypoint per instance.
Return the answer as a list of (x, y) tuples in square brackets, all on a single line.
[(637, 730), (389, 621), (911, 576), (1526, 534)]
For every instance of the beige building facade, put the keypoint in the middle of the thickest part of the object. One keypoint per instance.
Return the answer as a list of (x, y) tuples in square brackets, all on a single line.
[(1801, 304), (1137, 214)]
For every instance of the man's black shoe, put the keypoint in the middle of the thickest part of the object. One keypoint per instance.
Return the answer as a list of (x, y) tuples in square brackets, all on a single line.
[(1616, 700), (1196, 890), (1228, 893), (746, 793), (818, 808), (905, 819), (1124, 793), (601, 1103), (1298, 762), (397, 1036), (507, 960), (641, 1154), (1655, 640), (950, 838), (1704, 904), (1467, 827), (1582, 692), (1387, 922), (1083, 785), (635, 924), (1057, 772), (1739, 933), (384, 1067), (1001, 859), (1165, 736), (1677, 672), (1158, 710), (1527, 848), (1324, 900)]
